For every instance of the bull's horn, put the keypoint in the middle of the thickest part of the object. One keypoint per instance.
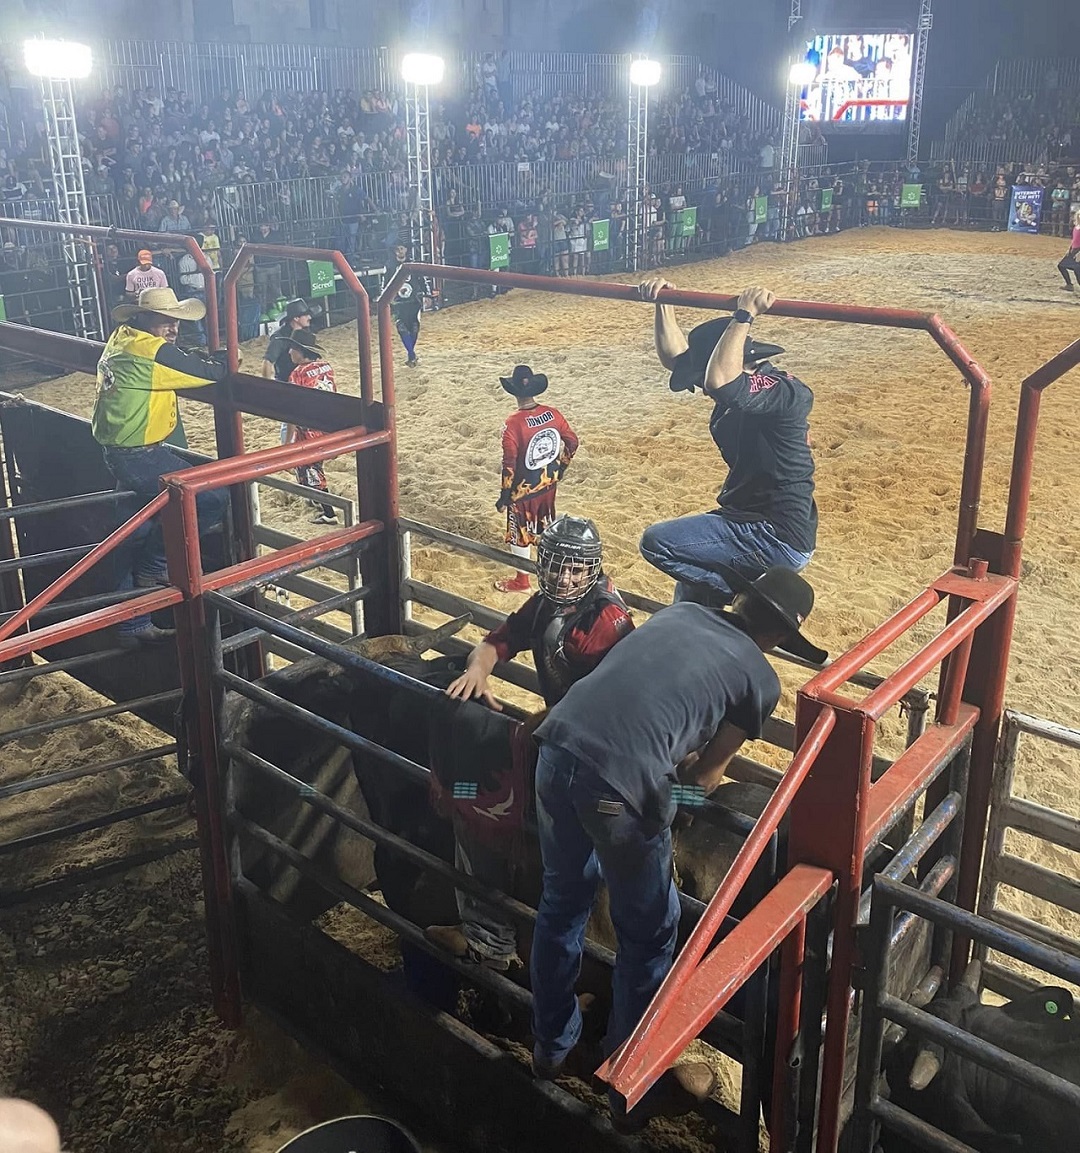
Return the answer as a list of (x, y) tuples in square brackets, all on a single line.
[(927, 1066), (923, 993), (421, 644), (972, 976)]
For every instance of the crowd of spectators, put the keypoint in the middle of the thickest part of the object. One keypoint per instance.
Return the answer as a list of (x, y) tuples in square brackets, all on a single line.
[(1048, 121)]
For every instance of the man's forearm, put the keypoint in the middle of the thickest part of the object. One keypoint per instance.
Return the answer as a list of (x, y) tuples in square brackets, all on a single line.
[(668, 336), (726, 362), (484, 657)]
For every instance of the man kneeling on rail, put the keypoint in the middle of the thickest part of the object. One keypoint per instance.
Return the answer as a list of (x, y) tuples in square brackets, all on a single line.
[(570, 625), (135, 421)]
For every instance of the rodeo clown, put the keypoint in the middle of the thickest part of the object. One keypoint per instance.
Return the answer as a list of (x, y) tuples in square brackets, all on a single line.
[(766, 513), (570, 625), (538, 446)]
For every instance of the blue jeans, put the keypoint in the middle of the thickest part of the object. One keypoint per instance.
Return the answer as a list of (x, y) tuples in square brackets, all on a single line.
[(587, 831), (689, 548), (140, 470)]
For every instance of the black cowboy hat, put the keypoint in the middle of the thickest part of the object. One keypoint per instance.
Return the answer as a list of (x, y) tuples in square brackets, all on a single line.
[(300, 307), (304, 339), (524, 382), (689, 370), (789, 596)]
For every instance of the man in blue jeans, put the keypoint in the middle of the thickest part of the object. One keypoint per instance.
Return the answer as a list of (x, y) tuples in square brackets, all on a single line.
[(766, 513), (691, 680), (136, 421)]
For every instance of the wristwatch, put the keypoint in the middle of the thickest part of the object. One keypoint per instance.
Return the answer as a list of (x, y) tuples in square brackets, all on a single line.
[(741, 316)]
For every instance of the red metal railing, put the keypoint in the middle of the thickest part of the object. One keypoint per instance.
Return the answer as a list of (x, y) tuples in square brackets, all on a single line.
[(940, 333)]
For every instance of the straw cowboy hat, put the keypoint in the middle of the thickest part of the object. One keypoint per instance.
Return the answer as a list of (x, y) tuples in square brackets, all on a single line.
[(162, 301), (690, 366)]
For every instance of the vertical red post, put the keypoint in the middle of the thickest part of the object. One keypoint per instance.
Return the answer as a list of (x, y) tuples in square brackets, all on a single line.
[(200, 707), (11, 596), (828, 829)]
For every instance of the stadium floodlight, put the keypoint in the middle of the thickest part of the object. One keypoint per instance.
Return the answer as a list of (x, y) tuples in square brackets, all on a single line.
[(57, 59), (645, 73), (802, 74), (422, 68)]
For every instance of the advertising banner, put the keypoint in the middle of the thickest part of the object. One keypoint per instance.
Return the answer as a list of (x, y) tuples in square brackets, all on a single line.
[(761, 209), (685, 222), (321, 275), (601, 234), (1025, 210), (499, 248), (911, 196)]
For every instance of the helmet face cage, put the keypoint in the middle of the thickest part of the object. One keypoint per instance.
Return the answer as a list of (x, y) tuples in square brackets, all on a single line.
[(580, 561)]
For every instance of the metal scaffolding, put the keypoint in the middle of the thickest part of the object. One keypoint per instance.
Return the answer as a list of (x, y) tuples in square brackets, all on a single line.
[(922, 41), (637, 152), (65, 156), (421, 207), (789, 133)]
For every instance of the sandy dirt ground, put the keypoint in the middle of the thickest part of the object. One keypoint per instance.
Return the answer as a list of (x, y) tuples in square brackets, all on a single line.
[(888, 432)]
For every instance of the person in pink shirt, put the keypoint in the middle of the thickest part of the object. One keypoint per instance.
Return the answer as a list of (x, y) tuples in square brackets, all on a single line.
[(144, 275), (1070, 262)]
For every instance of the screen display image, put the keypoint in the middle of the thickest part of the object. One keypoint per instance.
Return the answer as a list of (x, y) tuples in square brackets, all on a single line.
[(859, 79)]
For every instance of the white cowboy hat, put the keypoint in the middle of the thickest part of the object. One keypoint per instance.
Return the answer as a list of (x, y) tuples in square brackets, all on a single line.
[(164, 302)]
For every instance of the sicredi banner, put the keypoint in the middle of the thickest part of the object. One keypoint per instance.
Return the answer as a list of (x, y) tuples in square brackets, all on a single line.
[(1026, 209), (761, 209), (685, 222), (601, 232), (826, 199), (499, 250), (321, 275), (911, 196)]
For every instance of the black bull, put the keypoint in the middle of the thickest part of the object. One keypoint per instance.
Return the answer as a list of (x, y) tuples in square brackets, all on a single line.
[(400, 720), (986, 1110)]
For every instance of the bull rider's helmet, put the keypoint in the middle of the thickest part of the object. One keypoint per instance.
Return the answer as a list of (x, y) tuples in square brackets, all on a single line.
[(568, 559)]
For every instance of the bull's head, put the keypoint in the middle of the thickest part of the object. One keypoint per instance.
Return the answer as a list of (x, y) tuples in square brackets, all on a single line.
[(379, 648)]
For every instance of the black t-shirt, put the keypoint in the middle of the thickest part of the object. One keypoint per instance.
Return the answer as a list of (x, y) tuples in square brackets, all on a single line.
[(277, 352), (409, 302), (760, 426), (660, 693)]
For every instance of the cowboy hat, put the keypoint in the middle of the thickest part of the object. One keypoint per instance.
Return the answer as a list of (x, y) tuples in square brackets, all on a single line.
[(689, 370), (300, 307), (524, 382), (304, 339), (789, 596), (162, 301)]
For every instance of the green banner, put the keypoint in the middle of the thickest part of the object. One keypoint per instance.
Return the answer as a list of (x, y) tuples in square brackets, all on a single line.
[(685, 223), (3, 309), (321, 275), (826, 199), (911, 196), (761, 209), (499, 247), (601, 231)]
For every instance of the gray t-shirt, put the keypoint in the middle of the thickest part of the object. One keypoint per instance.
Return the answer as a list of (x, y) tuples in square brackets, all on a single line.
[(660, 693)]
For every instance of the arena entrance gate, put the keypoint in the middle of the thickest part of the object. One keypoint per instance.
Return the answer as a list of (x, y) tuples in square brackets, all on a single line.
[(830, 730)]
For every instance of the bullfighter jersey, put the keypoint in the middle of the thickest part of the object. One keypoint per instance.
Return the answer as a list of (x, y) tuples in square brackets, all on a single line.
[(538, 446)]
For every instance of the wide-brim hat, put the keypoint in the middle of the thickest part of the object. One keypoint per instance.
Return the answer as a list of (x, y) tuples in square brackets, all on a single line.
[(164, 302), (690, 366), (524, 382), (304, 339), (789, 596), (300, 307)]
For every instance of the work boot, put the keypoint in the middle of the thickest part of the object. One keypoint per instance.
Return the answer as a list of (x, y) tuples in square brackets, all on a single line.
[(675, 1094), (519, 583), (151, 635), (451, 939)]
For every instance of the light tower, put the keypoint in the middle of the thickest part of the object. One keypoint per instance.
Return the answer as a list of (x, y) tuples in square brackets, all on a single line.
[(419, 71), (57, 63), (644, 74), (918, 79), (800, 73)]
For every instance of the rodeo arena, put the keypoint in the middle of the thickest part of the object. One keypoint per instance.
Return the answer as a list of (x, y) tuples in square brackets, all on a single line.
[(402, 746)]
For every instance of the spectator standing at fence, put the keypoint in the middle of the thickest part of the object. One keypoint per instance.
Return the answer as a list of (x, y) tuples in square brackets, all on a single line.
[(310, 370), (1070, 262), (144, 275), (528, 236), (267, 267), (538, 445), (192, 287), (1000, 196), (136, 419), (766, 513), (174, 219), (578, 244), (561, 244)]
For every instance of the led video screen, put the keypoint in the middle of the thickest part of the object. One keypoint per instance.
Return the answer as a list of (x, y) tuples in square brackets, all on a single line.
[(858, 80)]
